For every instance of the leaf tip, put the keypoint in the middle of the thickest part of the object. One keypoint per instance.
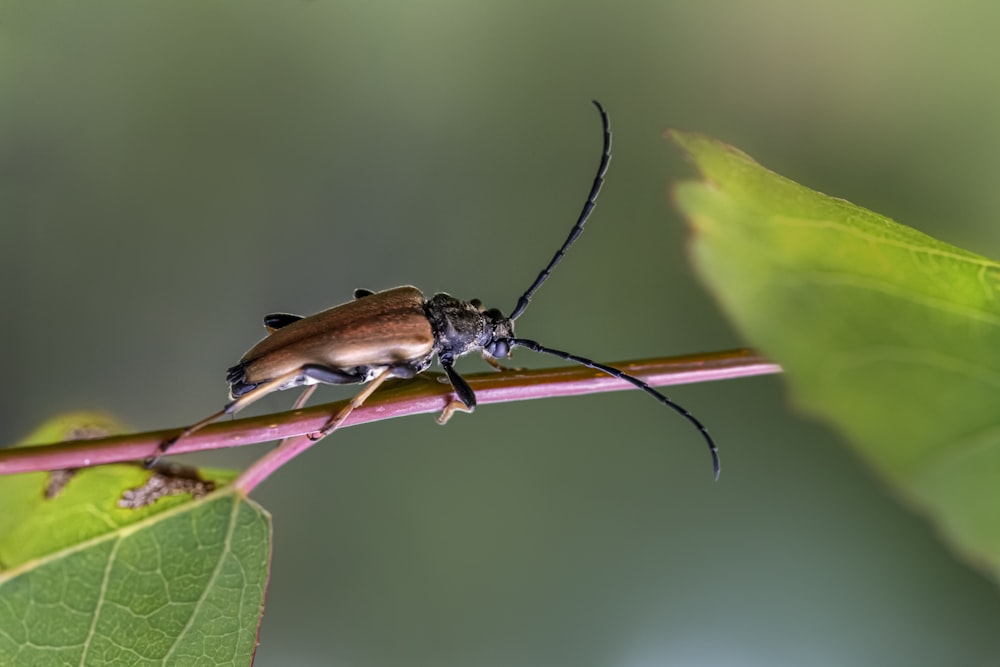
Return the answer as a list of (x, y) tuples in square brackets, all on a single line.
[(704, 151)]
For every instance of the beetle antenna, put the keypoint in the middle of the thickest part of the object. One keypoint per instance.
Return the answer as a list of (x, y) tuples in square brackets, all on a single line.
[(621, 375), (588, 206)]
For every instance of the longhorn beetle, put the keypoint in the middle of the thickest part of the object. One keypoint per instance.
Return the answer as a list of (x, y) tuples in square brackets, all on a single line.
[(396, 333)]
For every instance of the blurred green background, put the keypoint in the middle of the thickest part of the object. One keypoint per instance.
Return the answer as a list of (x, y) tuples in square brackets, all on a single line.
[(171, 172)]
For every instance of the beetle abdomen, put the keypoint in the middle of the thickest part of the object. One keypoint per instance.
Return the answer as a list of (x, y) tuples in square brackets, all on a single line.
[(343, 344), (235, 376)]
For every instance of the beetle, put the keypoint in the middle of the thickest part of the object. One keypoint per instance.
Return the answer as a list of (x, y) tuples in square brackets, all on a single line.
[(397, 333)]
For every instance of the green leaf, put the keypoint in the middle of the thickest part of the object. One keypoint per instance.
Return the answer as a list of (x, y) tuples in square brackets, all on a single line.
[(889, 334), (105, 569)]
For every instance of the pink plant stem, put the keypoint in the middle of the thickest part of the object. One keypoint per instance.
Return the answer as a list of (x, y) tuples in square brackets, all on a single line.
[(265, 466), (394, 400)]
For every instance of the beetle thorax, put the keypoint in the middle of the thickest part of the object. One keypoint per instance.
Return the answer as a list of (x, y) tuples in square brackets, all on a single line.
[(461, 327)]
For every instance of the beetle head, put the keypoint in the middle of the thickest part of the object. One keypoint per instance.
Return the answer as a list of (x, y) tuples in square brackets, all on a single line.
[(498, 333)]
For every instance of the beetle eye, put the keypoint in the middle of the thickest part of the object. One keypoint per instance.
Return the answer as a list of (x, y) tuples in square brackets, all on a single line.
[(499, 349)]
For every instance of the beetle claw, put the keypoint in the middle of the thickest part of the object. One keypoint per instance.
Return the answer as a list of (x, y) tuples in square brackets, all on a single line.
[(450, 409)]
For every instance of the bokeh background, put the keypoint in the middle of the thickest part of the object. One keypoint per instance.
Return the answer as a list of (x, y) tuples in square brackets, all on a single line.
[(170, 172)]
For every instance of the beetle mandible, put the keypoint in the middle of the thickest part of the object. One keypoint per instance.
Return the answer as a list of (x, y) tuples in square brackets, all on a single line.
[(397, 333)]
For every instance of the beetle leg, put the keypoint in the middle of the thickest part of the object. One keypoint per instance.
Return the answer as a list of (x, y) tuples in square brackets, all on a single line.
[(356, 402), (162, 448), (234, 406), (461, 387), (297, 405), (450, 409), (466, 401), (497, 365), (323, 374), (277, 321), (303, 397), (328, 375)]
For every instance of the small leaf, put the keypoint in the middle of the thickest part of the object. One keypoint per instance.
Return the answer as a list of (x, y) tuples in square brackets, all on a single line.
[(87, 580), (886, 332), (48, 511)]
